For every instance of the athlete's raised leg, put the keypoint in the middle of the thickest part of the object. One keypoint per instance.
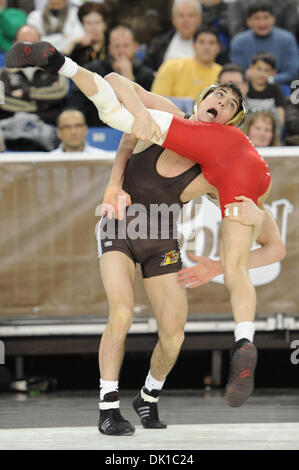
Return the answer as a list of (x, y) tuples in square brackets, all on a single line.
[(120, 295), (235, 246), (169, 302), (96, 88)]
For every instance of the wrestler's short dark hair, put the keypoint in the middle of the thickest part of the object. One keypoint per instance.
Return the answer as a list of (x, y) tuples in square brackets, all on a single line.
[(255, 6), (205, 29), (235, 89), (266, 57), (231, 67)]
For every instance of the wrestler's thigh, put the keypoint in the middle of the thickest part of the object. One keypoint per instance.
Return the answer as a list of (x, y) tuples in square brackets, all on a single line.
[(168, 299), (235, 241), (118, 274)]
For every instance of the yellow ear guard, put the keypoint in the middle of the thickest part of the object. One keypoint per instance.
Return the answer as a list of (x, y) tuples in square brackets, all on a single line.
[(240, 116), (236, 120)]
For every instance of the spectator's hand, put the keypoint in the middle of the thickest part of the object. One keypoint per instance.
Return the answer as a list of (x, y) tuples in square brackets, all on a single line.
[(145, 128), (246, 211), (124, 67), (85, 40), (115, 202), (200, 274)]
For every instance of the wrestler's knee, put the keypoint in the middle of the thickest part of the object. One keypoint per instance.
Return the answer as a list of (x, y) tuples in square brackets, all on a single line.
[(172, 339), (233, 269), (120, 319)]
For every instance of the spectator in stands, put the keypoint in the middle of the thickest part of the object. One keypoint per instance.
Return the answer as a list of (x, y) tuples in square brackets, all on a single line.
[(92, 45), (177, 42), (33, 90), (147, 18), (72, 131), (264, 36), (11, 19), (292, 119), (188, 77), (285, 12), (264, 95), (26, 5), (261, 128), (214, 13), (236, 74), (121, 58), (57, 22)]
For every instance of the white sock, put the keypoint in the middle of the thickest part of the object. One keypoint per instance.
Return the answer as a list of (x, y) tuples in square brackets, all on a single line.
[(105, 99), (152, 384), (244, 329), (107, 386), (69, 68)]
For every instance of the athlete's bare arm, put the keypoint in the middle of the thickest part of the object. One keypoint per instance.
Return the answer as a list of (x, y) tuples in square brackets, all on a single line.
[(272, 247), (272, 250), (124, 151), (127, 144), (115, 198)]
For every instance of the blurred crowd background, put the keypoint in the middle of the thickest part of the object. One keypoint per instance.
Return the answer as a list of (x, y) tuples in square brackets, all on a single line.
[(175, 48)]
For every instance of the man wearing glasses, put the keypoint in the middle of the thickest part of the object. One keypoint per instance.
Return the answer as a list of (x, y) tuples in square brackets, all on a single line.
[(72, 131)]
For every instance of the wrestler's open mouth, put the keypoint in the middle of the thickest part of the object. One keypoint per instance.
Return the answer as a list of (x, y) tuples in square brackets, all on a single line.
[(212, 112)]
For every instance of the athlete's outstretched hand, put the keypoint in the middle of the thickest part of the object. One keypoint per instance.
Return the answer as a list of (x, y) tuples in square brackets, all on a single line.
[(246, 211), (145, 128), (115, 202), (201, 273)]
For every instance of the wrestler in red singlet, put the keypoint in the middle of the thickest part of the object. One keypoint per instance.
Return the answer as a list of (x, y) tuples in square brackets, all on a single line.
[(227, 158)]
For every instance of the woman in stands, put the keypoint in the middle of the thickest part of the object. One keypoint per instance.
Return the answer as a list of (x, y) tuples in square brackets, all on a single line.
[(261, 128), (92, 45)]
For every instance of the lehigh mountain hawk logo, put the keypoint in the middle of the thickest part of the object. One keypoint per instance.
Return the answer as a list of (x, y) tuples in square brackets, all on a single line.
[(170, 257)]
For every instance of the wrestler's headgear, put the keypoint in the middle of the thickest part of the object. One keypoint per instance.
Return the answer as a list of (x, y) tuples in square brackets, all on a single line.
[(237, 119)]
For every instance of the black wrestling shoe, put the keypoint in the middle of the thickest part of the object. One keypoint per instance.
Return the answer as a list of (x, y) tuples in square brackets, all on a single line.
[(36, 54), (111, 421), (148, 411), (241, 378)]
